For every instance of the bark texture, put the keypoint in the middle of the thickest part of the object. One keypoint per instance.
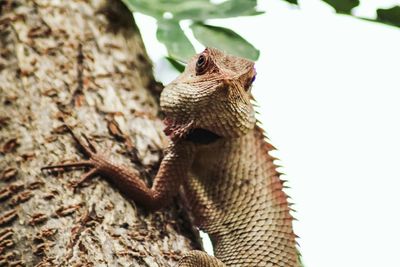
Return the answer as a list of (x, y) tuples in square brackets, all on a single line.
[(81, 62)]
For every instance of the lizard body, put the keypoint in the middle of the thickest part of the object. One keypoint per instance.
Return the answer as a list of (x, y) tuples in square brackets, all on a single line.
[(221, 158)]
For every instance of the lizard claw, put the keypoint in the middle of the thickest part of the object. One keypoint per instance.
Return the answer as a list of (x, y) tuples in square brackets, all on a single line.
[(88, 150), (84, 177), (64, 166)]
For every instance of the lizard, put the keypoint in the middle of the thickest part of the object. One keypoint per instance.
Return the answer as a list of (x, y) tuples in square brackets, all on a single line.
[(221, 158)]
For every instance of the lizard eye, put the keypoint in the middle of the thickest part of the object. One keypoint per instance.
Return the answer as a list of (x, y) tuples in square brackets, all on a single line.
[(201, 64), (250, 82)]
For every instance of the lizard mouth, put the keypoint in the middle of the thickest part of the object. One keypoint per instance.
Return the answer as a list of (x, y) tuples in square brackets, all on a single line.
[(186, 131), (202, 136)]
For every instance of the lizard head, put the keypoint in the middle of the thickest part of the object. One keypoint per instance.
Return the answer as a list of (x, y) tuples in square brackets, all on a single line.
[(210, 99)]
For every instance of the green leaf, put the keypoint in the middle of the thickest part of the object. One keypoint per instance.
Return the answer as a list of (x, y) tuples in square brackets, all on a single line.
[(294, 2), (176, 64), (194, 9), (171, 35), (343, 6), (224, 39), (146, 7), (389, 16)]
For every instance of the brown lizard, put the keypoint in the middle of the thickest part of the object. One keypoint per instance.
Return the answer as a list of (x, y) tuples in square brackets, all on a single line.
[(221, 157)]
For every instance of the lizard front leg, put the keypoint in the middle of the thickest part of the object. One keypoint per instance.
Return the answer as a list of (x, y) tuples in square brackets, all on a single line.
[(174, 167)]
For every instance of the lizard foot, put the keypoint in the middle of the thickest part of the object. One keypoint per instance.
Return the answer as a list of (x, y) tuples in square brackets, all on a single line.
[(197, 258), (95, 161)]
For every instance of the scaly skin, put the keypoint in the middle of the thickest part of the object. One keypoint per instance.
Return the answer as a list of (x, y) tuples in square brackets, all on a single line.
[(240, 203), (221, 158)]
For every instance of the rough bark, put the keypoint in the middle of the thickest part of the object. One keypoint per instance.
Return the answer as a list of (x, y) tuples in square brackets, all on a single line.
[(82, 63)]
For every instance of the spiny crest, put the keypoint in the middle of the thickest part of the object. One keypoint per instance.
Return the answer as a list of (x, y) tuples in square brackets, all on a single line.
[(267, 147)]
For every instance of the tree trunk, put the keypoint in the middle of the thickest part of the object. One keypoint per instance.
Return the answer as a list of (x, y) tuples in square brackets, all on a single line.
[(81, 63)]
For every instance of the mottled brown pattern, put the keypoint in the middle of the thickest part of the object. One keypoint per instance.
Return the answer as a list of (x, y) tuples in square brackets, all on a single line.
[(82, 63), (221, 157)]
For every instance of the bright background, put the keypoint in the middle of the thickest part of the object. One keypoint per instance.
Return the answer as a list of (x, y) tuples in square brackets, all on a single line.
[(328, 89)]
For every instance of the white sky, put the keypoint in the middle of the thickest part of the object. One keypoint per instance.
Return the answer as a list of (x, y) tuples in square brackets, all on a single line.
[(328, 87)]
